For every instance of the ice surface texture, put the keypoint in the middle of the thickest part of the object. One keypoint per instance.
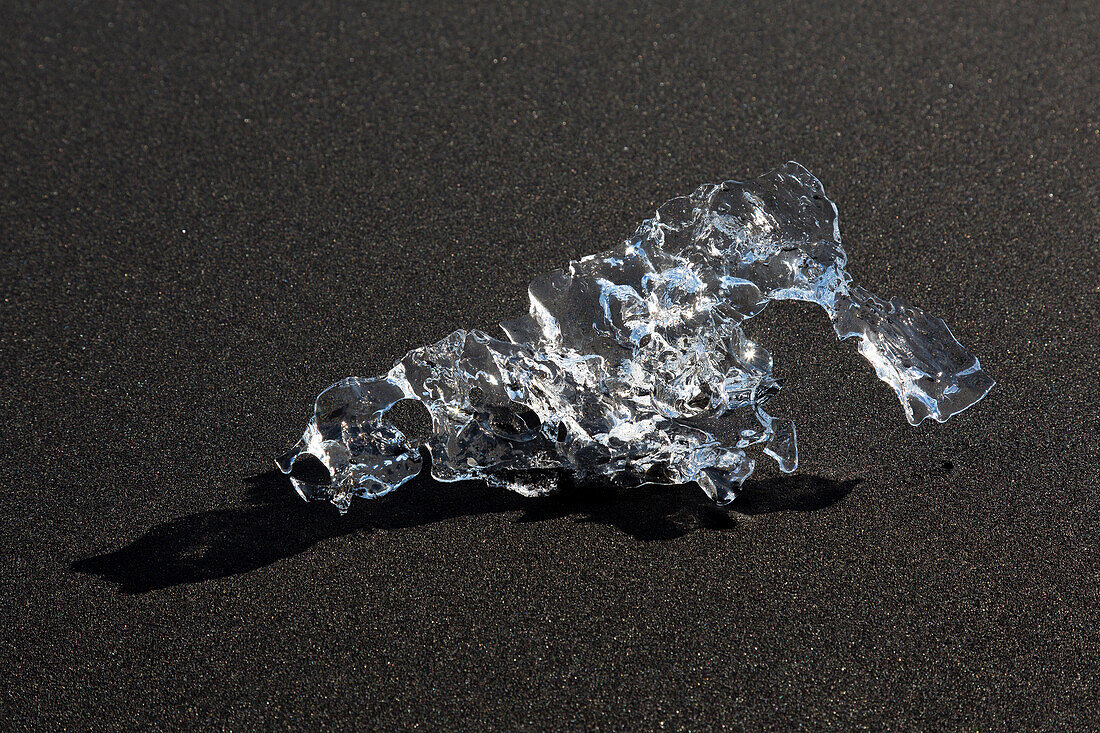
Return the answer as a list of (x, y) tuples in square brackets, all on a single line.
[(631, 364)]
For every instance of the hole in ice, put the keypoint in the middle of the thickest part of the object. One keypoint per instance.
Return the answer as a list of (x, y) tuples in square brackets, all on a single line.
[(412, 418), (309, 469)]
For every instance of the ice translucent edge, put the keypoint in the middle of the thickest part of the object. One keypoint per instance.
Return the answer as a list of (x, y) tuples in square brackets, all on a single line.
[(631, 364)]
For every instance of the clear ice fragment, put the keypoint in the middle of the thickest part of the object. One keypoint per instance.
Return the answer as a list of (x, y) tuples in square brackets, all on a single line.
[(631, 365)]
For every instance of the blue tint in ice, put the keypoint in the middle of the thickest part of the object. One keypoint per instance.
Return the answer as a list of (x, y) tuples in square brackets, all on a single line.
[(631, 364)]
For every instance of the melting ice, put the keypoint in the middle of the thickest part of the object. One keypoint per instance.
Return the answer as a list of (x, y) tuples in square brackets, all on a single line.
[(631, 365)]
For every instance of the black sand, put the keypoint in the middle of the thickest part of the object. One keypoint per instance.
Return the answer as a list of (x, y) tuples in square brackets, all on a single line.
[(210, 216)]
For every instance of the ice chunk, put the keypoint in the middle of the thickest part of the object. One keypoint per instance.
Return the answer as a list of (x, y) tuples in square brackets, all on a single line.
[(628, 359)]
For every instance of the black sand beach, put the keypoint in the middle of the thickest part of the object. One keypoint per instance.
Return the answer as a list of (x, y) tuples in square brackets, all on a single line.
[(211, 215)]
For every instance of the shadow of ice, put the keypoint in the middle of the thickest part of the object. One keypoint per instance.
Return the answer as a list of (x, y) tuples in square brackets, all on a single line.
[(274, 523)]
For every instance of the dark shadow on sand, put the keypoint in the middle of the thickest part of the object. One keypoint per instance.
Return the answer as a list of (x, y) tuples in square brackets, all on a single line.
[(274, 523)]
